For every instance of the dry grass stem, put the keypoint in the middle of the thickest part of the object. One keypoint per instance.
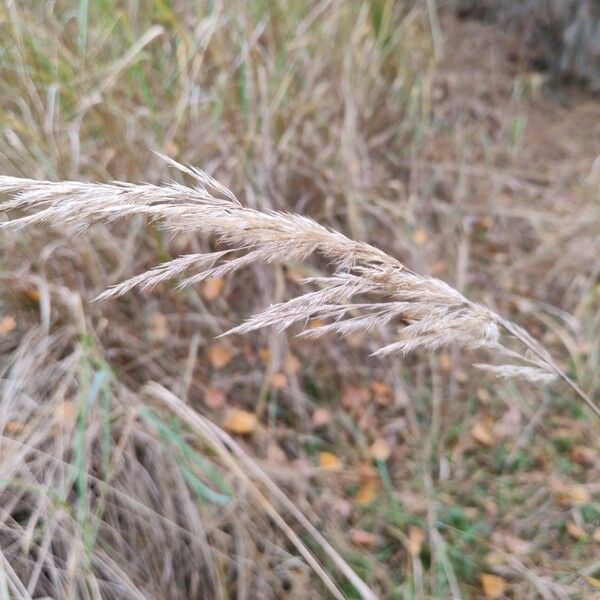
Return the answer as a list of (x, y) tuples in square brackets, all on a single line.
[(240, 463)]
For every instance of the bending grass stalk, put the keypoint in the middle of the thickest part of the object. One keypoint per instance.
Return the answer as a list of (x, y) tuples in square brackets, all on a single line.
[(541, 353), (432, 313), (228, 450)]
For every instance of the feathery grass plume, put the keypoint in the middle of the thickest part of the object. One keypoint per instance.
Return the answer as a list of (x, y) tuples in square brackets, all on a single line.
[(431, 313)]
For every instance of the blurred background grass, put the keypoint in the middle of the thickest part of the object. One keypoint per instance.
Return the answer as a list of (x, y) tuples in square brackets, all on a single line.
[(393, 122)]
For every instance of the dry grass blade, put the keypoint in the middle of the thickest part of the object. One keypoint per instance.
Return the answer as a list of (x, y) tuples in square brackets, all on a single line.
[(136, 496), (230, 452), (431, 313), (60, 410)]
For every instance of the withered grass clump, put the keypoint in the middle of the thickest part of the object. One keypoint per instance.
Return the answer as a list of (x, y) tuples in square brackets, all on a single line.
[(101, 487), (430, 313)]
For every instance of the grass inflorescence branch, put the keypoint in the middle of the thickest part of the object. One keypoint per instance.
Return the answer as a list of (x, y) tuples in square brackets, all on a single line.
[(431, 313)]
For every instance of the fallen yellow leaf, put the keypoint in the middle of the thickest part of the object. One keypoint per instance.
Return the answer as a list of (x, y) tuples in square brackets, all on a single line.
[(416, 537), (585, 455), (380, 449), (576, 531), (485, 222), (420, 237), (219, 355), (445, 362), (570, 494), (329, 461), (7, 324), (239, 421), (292, 364), (212, 288), (359, 537), (483, 395), (482, 433), (278, 381), (367, 493), (32, 294), (158, 327), (493, 586), (381, 390), (264, 355)]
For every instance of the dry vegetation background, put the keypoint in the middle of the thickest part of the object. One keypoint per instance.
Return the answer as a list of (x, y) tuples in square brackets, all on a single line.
[(141, 456)]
